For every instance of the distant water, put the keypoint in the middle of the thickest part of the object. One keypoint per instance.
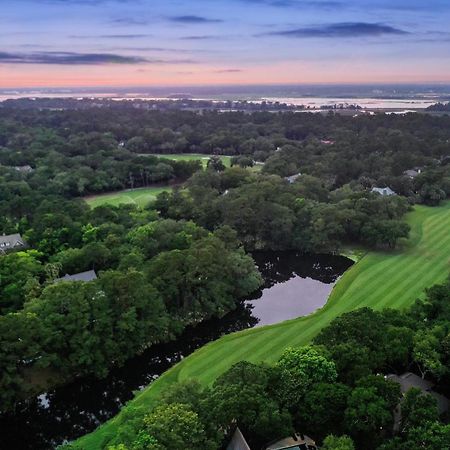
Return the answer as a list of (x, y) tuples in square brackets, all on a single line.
[(367, 96)]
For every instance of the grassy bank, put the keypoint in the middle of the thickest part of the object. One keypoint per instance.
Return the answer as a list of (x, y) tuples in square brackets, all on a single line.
[(140, 197), (378, 280)]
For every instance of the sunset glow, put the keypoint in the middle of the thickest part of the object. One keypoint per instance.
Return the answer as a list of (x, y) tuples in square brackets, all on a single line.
[(79, 43)]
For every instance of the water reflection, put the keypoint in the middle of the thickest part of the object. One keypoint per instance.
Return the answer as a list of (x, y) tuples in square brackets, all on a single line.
[(78, 408), (295, 285)]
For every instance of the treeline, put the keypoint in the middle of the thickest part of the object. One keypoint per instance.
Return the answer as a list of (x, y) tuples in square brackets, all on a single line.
[(155, 277), (334, 391), (444, 107), (371, 150), (270, 213)]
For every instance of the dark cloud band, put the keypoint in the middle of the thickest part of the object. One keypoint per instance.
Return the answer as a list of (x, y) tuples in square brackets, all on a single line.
[(68, 58), (340, 30)]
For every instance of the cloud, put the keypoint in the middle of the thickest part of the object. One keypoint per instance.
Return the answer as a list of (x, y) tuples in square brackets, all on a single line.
[(313, 4), (200, 37), (193, 19), (111, 36), (340, 30), (228, 71), (68, 58), (129, 21)]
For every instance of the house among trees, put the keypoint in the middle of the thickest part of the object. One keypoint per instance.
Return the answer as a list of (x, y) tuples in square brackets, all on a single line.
[(11, 242), (238, 441), (296, 442), (385, 192), (410, 380), (24, 169), (89, 275), (413, 173), (293, 178)]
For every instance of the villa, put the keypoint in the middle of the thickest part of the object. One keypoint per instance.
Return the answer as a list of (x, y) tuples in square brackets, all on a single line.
[(11, 242), (293, 178), (385, 192), (89, 275)]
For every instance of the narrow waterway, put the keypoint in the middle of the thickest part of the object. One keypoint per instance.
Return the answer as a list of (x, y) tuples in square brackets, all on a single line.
[(295, 285)]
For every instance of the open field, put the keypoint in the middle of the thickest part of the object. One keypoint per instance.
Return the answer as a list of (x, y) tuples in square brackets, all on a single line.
[(139, 197), (195, 156), (378, 280)]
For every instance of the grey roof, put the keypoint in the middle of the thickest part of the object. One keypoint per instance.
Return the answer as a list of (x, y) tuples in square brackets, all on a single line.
[(25, 169), (238, 441), (384, 191), (410, 380), (293, 442), (292, 178), (411, 173), (89, 275), (11, 241)]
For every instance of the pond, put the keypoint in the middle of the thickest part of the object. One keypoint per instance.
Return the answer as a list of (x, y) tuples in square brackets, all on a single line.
[(295, 285)]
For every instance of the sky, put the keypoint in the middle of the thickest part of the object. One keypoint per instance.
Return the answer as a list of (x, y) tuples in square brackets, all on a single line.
[(81, 43)]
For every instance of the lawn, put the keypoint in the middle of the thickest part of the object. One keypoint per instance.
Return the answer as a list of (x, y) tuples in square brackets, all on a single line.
[(378, 280), (195, 156), (140, 197)]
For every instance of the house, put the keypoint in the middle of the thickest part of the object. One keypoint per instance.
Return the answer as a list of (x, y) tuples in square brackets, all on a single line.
[(23, 169), (413, 173), (386, 191), (327, 142), (293, 178), (410, 380), (238, 441), (89, 275), (296, 442), (11, 242)]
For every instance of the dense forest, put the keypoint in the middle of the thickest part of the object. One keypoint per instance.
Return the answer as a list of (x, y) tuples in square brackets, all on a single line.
[(183, 258)]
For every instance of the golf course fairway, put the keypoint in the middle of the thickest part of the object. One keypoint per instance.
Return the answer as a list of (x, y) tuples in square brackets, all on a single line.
[(378, 280)]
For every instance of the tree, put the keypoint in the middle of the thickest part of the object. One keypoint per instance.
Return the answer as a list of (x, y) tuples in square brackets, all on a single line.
[(215, 163), (417, 408), (320, 412), (176, 426), (427, 353), (366, 416), (16, 270), (337, 443), (300, 368), (244, 395)]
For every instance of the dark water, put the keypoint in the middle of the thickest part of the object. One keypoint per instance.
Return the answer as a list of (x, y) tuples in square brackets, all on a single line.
[(294, 285)]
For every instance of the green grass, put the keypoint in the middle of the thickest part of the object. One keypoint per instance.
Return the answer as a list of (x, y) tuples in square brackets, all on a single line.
[(378, 280), (194, 157), (140, 197)]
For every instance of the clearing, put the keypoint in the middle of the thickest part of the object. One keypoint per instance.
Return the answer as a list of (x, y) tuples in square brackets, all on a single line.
[(192, 157), (140, 196)]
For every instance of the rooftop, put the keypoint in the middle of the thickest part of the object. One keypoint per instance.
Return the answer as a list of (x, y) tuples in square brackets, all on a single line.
[(296, 442), (292, 178), (11, 241), (384, 191), (410, 380), (89, 275)]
